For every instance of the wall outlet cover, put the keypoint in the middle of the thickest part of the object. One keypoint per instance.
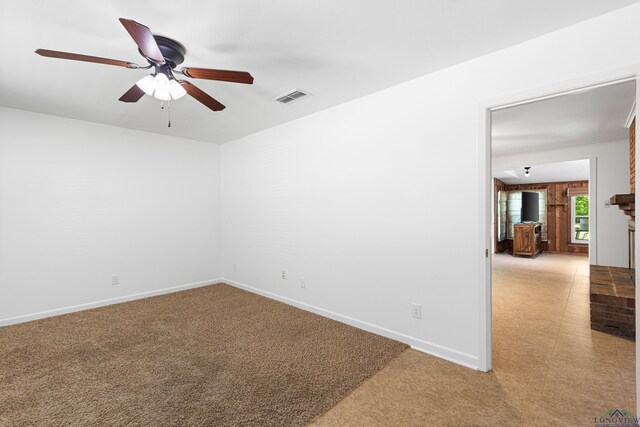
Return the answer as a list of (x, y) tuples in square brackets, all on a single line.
[(416, 311)]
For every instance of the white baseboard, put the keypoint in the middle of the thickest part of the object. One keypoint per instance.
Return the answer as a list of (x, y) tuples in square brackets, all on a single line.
[(451, 355), (102, 303)]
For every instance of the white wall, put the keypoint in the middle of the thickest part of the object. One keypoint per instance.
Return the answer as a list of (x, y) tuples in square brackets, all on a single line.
[(81, 201), (363, 199), (612, 168)]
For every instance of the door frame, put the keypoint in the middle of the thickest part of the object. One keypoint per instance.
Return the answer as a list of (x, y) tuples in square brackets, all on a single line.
[(485, 184)]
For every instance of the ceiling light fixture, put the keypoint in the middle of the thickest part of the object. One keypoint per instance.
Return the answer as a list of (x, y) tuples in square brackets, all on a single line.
[(161, 87), (527, 172)]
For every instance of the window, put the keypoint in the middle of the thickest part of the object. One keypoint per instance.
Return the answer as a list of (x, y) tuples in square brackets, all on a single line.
[(502, 215), (580, 219)]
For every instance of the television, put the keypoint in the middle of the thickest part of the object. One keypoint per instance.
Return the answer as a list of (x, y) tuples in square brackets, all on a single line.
[(530, 207)]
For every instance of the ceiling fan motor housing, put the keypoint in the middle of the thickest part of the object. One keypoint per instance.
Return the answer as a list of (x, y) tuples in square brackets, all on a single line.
[(172, 50)]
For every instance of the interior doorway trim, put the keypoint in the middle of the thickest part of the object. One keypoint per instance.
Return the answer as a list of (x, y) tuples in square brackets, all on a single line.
[(606, 78)]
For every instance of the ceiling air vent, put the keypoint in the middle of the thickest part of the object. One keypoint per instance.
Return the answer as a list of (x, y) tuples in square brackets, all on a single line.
[(291, 96)]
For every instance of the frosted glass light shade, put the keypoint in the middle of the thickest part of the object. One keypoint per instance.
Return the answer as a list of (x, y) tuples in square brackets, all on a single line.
[(162, 94), (161, 87), (147, 84), (176, 90)]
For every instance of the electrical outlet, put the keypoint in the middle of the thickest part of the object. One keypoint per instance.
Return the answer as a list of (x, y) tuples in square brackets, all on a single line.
[(416, 311), (284, 275), (115, 279), (303, 283)]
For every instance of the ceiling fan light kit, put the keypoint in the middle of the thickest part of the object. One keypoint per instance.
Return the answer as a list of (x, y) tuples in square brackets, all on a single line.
[(164, 55), (161, 87)]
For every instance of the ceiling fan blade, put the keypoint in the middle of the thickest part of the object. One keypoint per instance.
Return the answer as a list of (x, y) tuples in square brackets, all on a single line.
[(85, 58), (223, 75), (132, 95), (201, 96), (144, 39)]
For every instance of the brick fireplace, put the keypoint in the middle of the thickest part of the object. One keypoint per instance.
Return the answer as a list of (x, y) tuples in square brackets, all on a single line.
[(613, 301), (612, 291)]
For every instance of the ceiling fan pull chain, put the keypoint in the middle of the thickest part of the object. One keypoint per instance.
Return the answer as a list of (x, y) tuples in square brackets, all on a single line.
[(169, 113), (162, 105)]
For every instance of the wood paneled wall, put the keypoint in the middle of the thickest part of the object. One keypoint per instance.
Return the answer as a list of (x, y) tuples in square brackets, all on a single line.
[(558, 214), (632, 154)]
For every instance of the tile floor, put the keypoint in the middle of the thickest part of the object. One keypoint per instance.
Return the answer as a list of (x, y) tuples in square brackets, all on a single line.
[(550, 368)]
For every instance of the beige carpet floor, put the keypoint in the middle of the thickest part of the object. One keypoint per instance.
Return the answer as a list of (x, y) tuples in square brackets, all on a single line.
[(212, 356)]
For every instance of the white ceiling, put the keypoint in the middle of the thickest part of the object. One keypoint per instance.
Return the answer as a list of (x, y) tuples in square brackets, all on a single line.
[(337, 50), (575, 170), (592, 116)]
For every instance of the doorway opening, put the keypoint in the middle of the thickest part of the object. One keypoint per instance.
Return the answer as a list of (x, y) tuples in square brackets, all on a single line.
[(572, 149)]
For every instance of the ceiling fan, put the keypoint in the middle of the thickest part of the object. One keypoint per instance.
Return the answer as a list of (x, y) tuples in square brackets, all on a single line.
[(163, 55)]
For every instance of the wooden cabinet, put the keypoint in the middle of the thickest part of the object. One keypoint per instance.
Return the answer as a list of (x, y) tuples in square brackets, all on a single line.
[(527, 239)]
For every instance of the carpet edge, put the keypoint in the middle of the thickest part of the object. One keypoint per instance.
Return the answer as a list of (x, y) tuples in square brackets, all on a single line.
[(357, 386)]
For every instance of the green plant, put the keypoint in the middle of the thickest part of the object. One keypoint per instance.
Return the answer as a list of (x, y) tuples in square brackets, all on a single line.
[(582, 205)]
